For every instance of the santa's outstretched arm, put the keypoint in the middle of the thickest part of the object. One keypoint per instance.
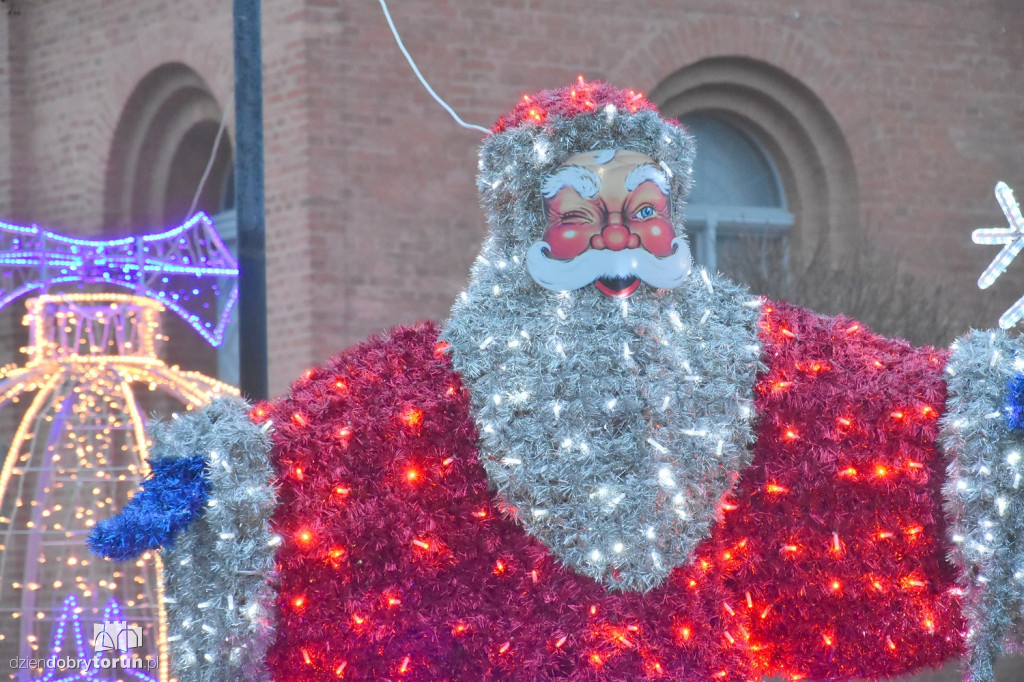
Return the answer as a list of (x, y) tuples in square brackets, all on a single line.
[(206, 507), (983, 438)]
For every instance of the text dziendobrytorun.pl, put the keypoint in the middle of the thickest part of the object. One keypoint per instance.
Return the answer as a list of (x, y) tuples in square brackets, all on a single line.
[(84, 664)]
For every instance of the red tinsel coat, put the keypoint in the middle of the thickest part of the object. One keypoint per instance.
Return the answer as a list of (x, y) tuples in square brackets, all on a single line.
[(829, 562)]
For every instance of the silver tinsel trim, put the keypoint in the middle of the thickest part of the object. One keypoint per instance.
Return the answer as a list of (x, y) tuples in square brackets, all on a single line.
[(611, 428), (983, 494), (219, 601)]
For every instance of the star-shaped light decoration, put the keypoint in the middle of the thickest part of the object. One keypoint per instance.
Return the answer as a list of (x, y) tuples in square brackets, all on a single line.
[(1013, 238)]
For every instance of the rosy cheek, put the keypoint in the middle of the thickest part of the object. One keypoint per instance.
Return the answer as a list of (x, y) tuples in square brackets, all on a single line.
[(568, 241), (656, 236)]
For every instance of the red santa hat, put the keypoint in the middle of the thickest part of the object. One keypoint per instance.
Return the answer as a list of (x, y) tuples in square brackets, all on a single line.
[(571, 100)]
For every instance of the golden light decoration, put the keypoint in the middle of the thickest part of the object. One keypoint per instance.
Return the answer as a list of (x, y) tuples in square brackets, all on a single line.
[(76, 455)]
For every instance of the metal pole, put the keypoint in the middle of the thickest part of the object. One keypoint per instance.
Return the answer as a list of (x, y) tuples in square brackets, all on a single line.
[(252, 280)]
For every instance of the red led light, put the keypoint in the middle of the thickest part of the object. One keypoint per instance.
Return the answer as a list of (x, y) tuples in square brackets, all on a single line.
[(335, 555), (412, 418)]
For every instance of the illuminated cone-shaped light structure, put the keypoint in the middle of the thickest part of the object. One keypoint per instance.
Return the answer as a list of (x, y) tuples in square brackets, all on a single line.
[(77, 453)]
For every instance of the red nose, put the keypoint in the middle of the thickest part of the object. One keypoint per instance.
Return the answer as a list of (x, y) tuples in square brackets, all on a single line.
[(615, 237)]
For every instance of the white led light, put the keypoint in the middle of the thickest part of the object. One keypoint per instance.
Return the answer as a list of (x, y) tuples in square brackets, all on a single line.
[(662, 449)]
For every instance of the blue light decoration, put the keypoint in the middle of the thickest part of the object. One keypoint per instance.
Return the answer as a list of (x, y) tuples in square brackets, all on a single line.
[(164, 266), (85, 664)]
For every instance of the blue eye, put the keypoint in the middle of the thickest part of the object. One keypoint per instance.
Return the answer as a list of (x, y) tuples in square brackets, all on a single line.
[(644, 213)]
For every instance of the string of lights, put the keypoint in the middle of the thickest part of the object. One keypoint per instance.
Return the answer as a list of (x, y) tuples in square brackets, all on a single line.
[(77, 453)]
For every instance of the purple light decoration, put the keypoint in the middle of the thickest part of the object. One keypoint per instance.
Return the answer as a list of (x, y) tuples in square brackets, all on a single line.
[(89, 666), (165, 265), (68, 613)]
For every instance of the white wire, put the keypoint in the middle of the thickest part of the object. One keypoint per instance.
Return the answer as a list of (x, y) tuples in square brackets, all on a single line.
[(398, 39), (209, 164)]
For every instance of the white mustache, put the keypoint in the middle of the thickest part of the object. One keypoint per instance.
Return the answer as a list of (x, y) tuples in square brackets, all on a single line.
[(567, 275)]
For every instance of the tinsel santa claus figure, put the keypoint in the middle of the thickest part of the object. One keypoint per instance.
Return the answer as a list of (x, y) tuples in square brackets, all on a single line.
[(606, 465)]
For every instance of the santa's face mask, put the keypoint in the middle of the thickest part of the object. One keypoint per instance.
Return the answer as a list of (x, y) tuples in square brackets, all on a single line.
[(608, 216)]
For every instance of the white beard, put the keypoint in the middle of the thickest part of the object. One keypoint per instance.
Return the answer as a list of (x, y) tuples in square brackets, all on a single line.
[(610, 428)]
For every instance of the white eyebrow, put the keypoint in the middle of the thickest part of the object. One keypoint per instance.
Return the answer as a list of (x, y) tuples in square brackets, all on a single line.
[(583, 180), (642, 174)]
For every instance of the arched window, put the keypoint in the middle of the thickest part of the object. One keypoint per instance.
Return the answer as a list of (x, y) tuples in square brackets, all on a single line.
[(736, 216), (772, 175), (162, 146)]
